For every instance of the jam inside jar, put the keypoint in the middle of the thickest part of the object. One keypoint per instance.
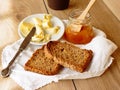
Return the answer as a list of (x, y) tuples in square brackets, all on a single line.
[(82, 36)]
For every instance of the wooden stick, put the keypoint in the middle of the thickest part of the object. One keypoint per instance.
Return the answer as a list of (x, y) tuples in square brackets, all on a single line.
[(83, 15)]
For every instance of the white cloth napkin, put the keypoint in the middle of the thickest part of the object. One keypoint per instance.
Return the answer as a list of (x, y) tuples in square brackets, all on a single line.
[(100, 45)]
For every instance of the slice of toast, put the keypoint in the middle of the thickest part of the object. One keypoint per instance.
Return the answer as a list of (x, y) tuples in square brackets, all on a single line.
[(39, 63), (69, 55)]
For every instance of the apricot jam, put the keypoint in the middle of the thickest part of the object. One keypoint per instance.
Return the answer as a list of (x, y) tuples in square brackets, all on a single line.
[(76, 35), (84, 36)]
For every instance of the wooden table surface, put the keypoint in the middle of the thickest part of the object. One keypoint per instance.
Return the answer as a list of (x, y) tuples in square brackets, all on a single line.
[(13, 11)]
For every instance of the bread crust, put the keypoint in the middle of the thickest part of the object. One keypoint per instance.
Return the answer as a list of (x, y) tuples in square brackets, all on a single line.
[(41, 64), (69, 55)]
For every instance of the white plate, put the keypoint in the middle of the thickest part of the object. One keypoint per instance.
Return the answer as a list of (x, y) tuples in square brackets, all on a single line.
[(56, 22)]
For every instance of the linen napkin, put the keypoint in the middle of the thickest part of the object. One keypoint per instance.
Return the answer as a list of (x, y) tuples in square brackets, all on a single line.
[(100, 45)]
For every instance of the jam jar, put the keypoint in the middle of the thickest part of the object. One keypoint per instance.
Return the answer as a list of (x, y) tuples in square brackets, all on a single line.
[(82, 36)]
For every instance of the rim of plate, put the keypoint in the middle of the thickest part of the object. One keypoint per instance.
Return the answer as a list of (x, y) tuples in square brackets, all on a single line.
[(56, 22)]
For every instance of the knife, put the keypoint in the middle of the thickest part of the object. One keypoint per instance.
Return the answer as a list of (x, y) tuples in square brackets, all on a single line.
[(6, 71)]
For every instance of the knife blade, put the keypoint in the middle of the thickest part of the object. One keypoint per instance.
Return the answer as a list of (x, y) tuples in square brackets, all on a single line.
[(6, 72), (27, 39)]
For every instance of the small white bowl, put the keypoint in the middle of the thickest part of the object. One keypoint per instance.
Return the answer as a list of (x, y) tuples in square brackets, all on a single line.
[(55, 21)]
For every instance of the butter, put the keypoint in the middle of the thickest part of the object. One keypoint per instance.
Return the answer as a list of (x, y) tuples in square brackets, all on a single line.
[(44, 28)]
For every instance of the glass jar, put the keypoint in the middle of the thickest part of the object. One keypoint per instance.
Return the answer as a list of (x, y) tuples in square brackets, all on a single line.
[(73, 34)]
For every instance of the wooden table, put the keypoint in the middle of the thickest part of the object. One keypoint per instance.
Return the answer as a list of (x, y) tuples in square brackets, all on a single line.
[(13, 11)]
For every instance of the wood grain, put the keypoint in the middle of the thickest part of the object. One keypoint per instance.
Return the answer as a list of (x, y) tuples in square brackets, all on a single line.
[(64, 14), (61, 85), (114, 6), (13, 11), (103, 18)]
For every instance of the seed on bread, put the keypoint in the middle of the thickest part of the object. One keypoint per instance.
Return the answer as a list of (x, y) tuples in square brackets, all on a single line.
[(41, 64), (69, 55)]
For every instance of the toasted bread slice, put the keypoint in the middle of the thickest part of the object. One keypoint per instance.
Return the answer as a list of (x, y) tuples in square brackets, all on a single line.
[(39, 63), (69, 55)]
